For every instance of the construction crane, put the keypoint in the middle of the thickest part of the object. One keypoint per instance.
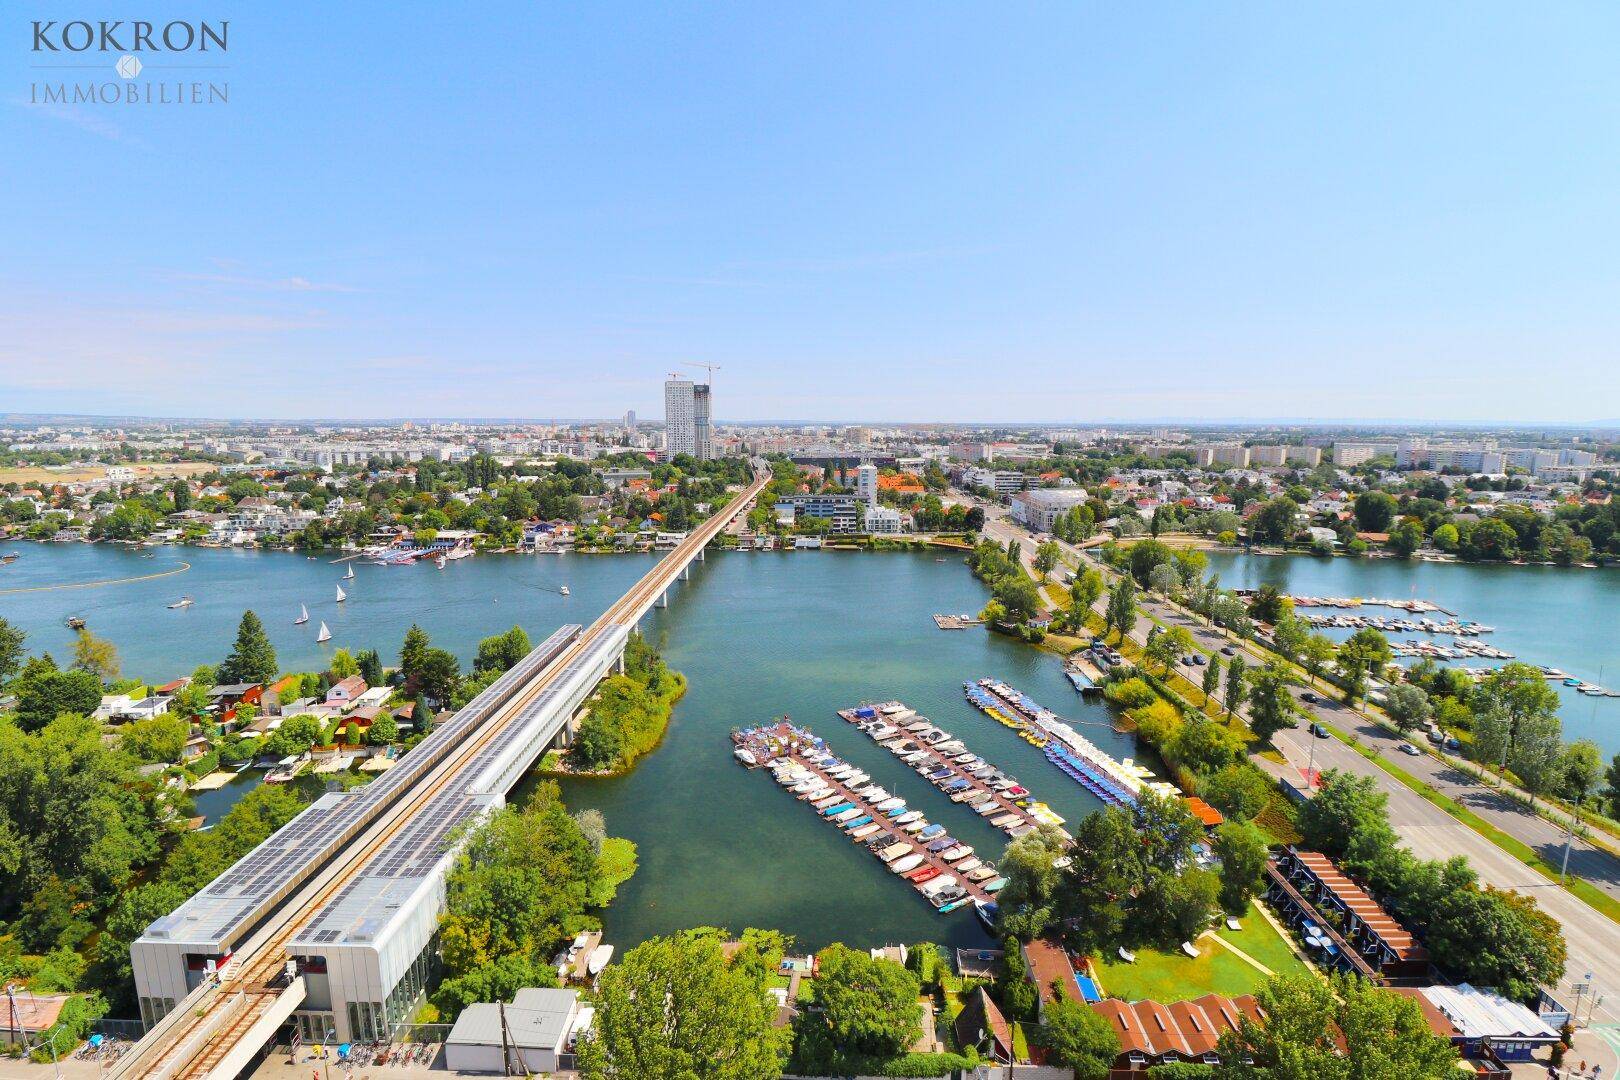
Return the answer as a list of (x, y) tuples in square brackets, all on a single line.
[(710, 368)]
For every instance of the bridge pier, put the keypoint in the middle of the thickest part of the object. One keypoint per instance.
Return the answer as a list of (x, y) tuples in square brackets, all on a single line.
[(663, 601), (621, 663), (701, 552), (686, 572)]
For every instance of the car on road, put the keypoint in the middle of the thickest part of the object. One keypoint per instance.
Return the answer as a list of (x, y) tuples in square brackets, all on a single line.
[(1408, 748), (1226, 650), (1310, 699), (1198, 659), (1319, 731)]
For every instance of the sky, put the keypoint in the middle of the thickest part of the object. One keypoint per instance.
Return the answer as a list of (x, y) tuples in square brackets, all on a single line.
[(905, 212)]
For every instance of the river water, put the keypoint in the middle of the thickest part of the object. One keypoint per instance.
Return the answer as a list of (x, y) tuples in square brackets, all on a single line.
[(1559, 617), (758, 635)]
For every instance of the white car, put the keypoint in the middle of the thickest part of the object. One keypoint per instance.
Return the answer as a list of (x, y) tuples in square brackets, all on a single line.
[(1408, 748)]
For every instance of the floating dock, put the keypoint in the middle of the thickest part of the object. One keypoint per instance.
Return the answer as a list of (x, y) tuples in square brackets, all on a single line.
[(932, 752), (955, 622), (1116, 783), (802, 764)]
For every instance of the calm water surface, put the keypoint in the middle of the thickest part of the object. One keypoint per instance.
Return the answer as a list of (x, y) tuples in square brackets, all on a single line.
[(1553, 616), (758, 636)]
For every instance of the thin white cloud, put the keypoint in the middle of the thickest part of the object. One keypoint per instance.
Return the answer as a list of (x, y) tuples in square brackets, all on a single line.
[(294, 284)]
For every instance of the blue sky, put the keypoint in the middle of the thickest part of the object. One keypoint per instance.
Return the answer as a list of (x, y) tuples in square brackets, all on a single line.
[(923, 212)]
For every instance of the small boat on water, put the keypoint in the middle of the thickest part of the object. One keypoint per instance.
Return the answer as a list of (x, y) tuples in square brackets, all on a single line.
[(10, 557), (324, 635), (742, 753), (350, 575), (439, 562), (915, 826), (909, 862), (75, 622), (987, 910), (303, 616), (341, 595), (563, 591), (183, 602)]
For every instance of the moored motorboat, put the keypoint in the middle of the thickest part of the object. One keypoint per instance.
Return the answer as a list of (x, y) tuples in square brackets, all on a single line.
[(907, 862), (745, 755)]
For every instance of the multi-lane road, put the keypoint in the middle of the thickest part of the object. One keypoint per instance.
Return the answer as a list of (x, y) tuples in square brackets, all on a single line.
[(1593, 938)]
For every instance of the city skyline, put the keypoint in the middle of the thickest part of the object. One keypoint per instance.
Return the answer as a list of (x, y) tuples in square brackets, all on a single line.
[(1121, 215)]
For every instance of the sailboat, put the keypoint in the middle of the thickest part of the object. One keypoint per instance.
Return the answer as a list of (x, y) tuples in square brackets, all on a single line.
[(324, 635), (303, 616), (342, 596), (350, 575)]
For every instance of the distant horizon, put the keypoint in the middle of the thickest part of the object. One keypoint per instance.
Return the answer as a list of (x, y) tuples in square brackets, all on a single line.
[(44, 418)]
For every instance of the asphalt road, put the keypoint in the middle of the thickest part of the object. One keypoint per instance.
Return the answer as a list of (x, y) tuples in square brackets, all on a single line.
[(1593, 938)]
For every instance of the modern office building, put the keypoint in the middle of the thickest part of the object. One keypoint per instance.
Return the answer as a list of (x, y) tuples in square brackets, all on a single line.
[(688, 412), (883, 520), (842, 510), (1001, 481)]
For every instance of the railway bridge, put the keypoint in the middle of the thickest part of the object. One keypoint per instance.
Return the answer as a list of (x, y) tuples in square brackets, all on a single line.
[(330, 922)]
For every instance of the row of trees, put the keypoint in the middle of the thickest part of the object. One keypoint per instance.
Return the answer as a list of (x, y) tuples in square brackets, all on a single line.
[(629, 712)]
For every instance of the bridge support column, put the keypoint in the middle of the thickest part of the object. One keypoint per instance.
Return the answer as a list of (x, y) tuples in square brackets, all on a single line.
[(701, 552), (663, 601), (686, 572), (621, 663)]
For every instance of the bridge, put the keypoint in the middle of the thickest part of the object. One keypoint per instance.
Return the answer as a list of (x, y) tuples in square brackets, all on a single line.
[(331, 921)]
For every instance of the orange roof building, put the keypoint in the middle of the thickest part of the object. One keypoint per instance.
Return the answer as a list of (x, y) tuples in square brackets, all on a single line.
[(1154, 1034)]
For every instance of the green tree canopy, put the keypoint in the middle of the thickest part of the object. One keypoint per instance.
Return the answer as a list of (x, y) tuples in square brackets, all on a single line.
[(252, 658), (673, 1009), (869, 1005), (1077, 1037)]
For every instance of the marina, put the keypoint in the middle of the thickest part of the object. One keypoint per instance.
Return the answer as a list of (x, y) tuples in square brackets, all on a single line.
[(944, 761), (923, 854), (1116, 783)]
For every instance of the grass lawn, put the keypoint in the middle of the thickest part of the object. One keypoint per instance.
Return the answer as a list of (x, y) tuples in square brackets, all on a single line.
[(1167, 977)]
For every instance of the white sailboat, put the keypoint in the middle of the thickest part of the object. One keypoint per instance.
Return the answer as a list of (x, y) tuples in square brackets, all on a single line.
[(341, 595), (303, 616), (324, 635), (350, 574)]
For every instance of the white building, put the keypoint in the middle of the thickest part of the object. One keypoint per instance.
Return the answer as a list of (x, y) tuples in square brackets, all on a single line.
[(866, 484), (884, 519), (540, 1025), (1039, 508), (687, 418), (1001, 481), (1268, 455), (1222, 454)]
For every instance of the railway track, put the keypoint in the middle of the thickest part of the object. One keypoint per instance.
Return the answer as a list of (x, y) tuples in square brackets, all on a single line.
[(195, 1040)]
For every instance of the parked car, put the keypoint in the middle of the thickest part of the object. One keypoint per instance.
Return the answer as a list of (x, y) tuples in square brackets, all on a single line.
[(1198, 659), (1226, 650)]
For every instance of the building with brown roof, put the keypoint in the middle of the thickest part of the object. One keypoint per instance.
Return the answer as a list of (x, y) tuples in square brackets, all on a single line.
[(1385, 944), (980, 1023), (1048, 967), (1152, 1034)]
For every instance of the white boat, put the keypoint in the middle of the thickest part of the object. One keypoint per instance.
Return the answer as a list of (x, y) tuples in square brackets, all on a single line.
[(967, 864), (184, 601), (937, 885), (745, 755), (910, 862), (350, 575), (563, 591), (599, 959), (908, 817), (341, 595), (915, 826), (303, 616), (894, 851), (324, 635), (439, 562)]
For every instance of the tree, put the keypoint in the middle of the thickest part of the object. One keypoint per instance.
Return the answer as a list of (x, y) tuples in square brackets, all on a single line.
[(44, 693), (95, 655), (598, 744), (1164, 580), (1077, 1037), (1030, 866), (1085, 592), (1047, 557), (1580, 769), (1365, 654), (343, 664), (421, 717), (1275, 521), (1241, 849), (252, 658), (1408, 706), (1269, 604), (294, 735), (1236, 683), (1375, 511), (1144, 556), (673, 1009), (370, 665), (1536, 756), (1105, 865), (1017, 594), (158, 739), (503, 651), (1316, 654), (519, 887), (1497, 938), (1305, 1019), (11, 650), (1271, 706), (869, 1005), (1121, 614), (1166, 646), (1344, 808), (1445, 537), (1406, 538), (1517, 692), (413, 655), (1239, 791), (438, 674), (1212, 677), (383, 730), (1204, 746), (1175, 906)]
